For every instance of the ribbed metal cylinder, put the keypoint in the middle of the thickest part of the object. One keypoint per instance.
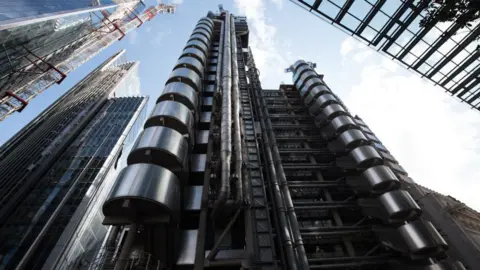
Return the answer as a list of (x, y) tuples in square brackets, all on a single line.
[(180, 92), (144, 192), (150, 186), (172, 114)]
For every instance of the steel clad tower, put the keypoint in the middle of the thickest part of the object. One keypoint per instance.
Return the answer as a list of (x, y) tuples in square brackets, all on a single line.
[(227, 175)]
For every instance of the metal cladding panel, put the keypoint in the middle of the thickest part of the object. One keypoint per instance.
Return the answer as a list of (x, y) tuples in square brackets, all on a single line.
[(172, 114), (366, 129), (393, 207), (387, 156), (144, 191), (203, 32), (298, 63), (321, 102), (351, 138), (199, 162), (197, 44), (365, 156), (304, 77), (205, 24), (360, 122), (211, 78), (395, 167), (374, 180), (191, 63), (315, 92), (419, 239), (328, 113), (193, 198), (209, 88), (206, 117), (371, 137), (206, 20), (202, 136), (187, 248), (299, 72), (194, 52), (204, 27), (180, 92), (309, 84), (162, 146), (200, 37), (207, 101), (187, 76)]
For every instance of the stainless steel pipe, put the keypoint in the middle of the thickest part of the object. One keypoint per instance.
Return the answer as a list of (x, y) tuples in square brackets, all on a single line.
[(237, 140), (226, 124)]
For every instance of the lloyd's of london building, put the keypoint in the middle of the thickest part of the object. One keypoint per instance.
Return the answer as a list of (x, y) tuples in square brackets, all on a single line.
[(228, 175)]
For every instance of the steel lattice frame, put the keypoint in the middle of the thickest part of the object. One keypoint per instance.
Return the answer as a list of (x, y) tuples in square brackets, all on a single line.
[(335, 233), (445, 53)]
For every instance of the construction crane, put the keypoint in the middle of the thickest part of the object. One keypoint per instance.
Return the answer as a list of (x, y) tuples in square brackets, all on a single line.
[(29, 73)]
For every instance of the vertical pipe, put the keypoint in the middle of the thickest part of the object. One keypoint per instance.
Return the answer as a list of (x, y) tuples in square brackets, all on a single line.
[(292, 217), (127, 246), (237, 140), (284, 230), (112, 236), (218, 75), (226, 132)]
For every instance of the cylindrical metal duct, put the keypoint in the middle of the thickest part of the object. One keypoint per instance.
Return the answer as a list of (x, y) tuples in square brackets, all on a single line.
[(237, 140), (145, 192), (172, 114), (226, 124), (180, 92)]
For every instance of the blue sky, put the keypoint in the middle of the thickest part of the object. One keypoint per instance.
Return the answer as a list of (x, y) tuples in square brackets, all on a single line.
[(436, 142)]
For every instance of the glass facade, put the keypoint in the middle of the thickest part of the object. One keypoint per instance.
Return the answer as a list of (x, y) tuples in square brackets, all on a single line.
[(130, 85), (32, 8), (85, 233), (43, 40), (62, 152), (77, 168)]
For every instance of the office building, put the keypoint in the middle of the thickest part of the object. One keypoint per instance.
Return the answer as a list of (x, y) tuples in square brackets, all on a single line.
[(42, 41), (57, 171), (444, 53), (227, 175)]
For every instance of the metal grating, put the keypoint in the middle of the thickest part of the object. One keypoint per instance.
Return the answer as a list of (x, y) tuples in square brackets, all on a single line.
[(443, 53)]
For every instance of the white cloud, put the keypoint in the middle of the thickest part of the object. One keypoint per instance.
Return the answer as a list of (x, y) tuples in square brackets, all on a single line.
[(132, 37), (433, 136), (264, 43), (347, 46)]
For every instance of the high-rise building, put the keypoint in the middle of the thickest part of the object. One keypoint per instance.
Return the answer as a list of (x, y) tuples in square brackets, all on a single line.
[(56, 172), (42, 41), (456, 222), (444, 53), (227, 175)]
